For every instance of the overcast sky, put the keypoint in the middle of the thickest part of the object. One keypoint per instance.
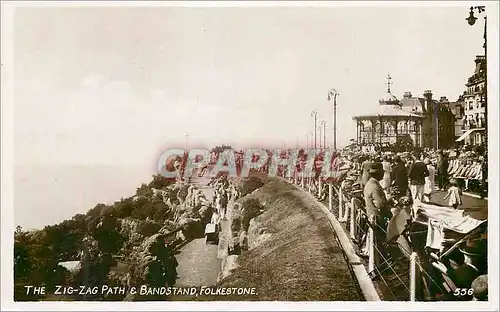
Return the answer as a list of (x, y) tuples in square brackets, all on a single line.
[(114, 85), (119, 85)]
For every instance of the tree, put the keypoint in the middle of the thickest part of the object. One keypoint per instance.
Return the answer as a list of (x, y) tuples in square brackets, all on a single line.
[(144, 190), (160, 182), (96, 211), (107, 234), (22, 263)]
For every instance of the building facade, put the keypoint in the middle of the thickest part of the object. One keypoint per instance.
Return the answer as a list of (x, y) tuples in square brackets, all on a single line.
[(458, 109), (438, 119), (474, 120)]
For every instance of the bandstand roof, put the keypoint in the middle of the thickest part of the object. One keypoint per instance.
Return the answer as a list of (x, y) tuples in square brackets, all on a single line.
[(389, 107), (390, 111)]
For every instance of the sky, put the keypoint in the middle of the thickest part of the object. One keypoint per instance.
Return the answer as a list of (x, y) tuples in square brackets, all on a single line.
[(114, 87)]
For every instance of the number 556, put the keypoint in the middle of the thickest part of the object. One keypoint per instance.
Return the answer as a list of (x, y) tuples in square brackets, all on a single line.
[(463, 292)]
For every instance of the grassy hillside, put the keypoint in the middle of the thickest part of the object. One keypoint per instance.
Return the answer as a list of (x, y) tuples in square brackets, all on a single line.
[(298, 258)]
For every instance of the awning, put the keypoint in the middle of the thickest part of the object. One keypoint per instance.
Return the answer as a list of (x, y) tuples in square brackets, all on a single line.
[(467, 133)]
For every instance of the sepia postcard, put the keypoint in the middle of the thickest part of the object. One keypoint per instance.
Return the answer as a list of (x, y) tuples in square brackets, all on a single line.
[(240, 155)]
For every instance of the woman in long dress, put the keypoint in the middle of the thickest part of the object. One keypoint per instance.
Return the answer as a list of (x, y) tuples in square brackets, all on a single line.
[(429, 186)]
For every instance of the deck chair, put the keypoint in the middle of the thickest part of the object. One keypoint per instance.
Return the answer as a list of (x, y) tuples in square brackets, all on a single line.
[(455, 230)]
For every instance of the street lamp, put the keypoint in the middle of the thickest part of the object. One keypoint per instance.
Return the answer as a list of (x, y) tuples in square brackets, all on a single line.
[(332, 94), (471, 19), (320, 130), (323, 124), (314, 114)]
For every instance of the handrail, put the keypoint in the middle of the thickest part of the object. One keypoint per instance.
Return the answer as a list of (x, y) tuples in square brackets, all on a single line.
[(389, 273), (364, 281)]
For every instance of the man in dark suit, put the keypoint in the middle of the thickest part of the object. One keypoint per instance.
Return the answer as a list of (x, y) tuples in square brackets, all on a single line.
[(442, 171), (418, 172), (399, 176)]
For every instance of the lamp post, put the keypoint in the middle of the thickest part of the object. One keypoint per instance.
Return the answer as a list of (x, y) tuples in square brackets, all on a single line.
[(323, 124), (332, 94), (320, 130), (315, 115), (472, 20)]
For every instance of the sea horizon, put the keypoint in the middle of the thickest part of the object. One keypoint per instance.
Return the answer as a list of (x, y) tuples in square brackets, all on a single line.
[(56, 192)]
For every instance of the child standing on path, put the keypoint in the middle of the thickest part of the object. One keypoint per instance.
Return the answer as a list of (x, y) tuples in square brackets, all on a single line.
[(454, 195)]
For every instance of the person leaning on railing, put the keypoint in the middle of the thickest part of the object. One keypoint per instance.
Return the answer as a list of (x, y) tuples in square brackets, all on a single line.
[(376, 203)]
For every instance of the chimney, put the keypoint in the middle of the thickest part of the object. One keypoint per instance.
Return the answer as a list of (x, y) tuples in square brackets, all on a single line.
[(443, 99), (407, 95), (428, 100), (428, 94), (480, 63)]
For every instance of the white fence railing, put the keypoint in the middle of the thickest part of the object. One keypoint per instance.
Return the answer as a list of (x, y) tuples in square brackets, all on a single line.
[(349, 213)]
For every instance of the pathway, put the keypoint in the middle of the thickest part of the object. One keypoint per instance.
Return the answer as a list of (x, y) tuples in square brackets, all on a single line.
[(198, 262)]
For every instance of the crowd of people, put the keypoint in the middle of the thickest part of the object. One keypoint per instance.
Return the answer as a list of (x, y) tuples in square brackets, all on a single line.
[(415, 174), (224, 191), (390, 178), (387, 181)]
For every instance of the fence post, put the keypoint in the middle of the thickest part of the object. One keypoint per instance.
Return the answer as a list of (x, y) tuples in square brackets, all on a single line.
[(303, 180), (341, 204), (351, 226), (330, 196), (371, 253), (320, 187), (413, 276), (295, 180)]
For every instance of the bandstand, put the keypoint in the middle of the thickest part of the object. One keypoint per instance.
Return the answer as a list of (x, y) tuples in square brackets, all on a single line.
[(389, 125)]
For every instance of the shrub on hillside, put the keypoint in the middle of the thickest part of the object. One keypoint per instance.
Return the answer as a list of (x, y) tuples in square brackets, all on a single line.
[(250, 185), (147, 228), (153, 263), (191, 227), (251, 209), (160, 182)]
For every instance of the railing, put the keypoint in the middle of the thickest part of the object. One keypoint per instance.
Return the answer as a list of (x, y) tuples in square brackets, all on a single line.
[(396, 268)]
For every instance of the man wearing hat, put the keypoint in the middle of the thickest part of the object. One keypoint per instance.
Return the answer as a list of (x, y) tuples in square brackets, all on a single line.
[(375, 198), (475, 264), (377, 206), (365, 166)]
